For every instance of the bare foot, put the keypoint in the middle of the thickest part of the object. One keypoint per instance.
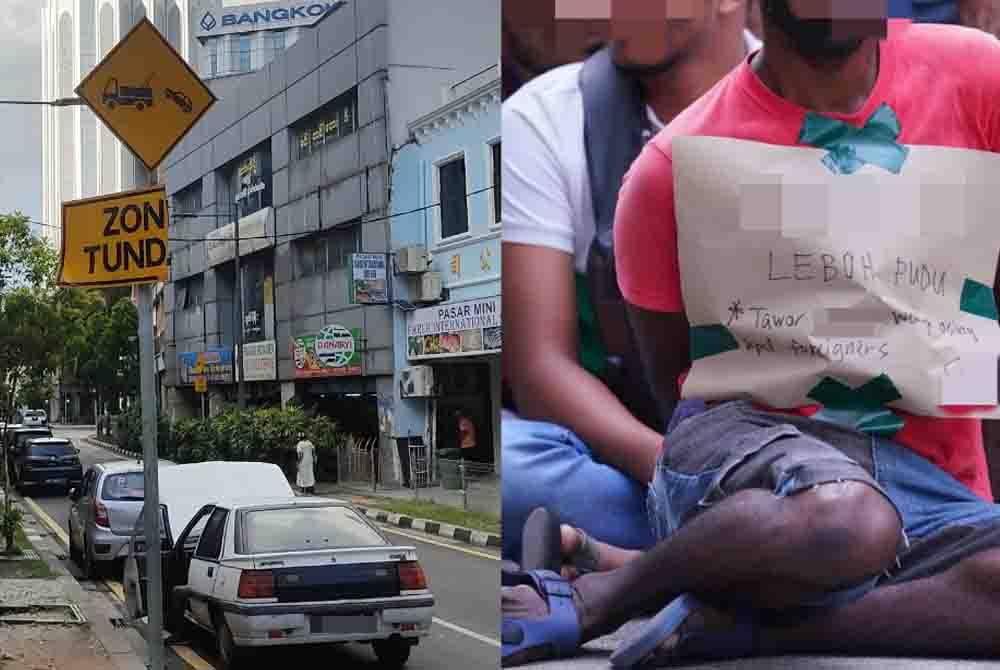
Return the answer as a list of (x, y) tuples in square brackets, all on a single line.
[(582, 553)]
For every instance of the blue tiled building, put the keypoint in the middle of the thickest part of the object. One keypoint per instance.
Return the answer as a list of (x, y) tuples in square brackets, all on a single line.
[(446, 200)]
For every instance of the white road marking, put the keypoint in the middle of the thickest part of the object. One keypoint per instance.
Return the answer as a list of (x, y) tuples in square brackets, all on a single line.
[(465, 631)]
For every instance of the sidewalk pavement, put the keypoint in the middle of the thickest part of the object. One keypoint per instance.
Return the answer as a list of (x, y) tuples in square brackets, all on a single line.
[(358, 496), (100, 643), (483, 495)]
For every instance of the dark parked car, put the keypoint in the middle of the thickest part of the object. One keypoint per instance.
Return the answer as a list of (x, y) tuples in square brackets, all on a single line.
[(14, 439), (48, 461)]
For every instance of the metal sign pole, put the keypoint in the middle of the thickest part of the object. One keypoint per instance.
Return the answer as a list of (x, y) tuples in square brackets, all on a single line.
[(151, 516), (241, 393)]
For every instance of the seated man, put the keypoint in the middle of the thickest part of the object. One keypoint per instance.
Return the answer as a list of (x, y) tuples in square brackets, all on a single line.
[(797, 534), (585, 436)]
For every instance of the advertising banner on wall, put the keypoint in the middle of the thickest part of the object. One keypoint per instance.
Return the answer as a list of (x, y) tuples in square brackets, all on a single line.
[(259, 362), (216, 364), (335, 351), (468, 328), (369, 285)]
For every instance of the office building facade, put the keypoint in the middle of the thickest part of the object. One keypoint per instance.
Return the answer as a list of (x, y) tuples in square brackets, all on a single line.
[(299, 154)]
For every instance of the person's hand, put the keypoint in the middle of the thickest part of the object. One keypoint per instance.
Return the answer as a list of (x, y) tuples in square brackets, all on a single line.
[(982, 14)]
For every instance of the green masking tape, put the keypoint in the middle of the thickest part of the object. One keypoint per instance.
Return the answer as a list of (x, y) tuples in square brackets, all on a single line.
[(711, 340), (851, 147), (978, 299), (862, 408)]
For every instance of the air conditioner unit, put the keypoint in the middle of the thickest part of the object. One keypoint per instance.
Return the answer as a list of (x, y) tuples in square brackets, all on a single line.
[(430, 287), (412, 259), (416, 382)]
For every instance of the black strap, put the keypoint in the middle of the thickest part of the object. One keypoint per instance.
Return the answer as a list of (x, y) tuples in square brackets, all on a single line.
[(614, 122)]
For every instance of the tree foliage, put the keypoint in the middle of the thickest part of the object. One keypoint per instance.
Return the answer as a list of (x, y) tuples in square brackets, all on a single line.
[(45, 329)]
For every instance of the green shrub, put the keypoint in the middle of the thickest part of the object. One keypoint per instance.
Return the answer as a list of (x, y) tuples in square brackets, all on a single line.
[(263, 434)]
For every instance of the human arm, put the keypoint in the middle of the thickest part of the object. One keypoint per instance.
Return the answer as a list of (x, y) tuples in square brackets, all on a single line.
[(548, 382), (982, 14)]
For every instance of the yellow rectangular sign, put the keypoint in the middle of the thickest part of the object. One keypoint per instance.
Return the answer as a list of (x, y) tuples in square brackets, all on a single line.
[(146, 94), (200, 384), (115, 240)]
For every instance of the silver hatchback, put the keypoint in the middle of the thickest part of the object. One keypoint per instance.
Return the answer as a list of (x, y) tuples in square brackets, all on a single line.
[(102, 514)]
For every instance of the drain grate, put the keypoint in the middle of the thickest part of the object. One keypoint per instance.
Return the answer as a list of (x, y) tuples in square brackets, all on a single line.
[(26, 555), (61, 557), (59, 613), (118, 622)]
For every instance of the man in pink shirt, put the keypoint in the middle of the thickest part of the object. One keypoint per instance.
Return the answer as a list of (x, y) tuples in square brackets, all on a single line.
[(797, 535)]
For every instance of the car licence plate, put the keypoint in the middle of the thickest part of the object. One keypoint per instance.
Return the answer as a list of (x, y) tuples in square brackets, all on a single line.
[(56, 482), (344, 625)]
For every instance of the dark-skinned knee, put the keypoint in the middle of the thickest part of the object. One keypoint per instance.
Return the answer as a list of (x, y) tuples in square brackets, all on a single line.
[(849, 529), (980, 572)]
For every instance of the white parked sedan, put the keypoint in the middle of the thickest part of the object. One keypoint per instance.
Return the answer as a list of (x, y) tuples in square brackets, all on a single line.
[(293, 570)]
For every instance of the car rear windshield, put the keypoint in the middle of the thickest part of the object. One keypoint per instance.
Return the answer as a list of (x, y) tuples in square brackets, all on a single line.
[(305, 529), (126, 486), (49, 450), (20, 438)]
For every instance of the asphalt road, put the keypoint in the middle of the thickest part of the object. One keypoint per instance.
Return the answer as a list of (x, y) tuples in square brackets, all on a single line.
[(464, 581)]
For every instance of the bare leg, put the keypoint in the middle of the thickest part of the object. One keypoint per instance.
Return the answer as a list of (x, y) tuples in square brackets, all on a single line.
[(956, 612), (825, 538)]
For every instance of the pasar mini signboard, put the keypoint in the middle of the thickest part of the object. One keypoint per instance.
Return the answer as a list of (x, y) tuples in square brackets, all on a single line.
[(115, 240), (146, 94)]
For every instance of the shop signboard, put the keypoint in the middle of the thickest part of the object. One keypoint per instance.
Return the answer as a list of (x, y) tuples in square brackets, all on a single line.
[(467, 328), (335, 351), (259, 363), (368, 279), (216, 364)]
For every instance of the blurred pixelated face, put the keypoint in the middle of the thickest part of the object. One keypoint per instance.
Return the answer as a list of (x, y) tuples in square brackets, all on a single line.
[(827, 31), (648, 36)]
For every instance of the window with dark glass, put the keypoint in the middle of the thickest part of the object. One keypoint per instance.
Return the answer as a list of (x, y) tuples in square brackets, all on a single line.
[(309, 257), (334, 120), (210, 546), (454, 208), (340, 244), (495, 150)]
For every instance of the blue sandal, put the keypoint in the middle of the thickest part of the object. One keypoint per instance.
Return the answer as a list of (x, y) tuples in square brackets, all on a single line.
[(737, 642), (557, 635)]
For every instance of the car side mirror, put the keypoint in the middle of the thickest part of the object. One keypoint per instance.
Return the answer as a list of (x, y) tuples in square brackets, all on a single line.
[(74, 494)]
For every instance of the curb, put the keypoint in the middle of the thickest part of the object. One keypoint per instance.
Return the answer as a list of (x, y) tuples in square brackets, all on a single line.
[(467, 535), (114, 449)]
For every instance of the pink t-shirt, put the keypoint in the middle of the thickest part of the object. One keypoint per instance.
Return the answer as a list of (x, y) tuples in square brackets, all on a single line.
[(943, 82)]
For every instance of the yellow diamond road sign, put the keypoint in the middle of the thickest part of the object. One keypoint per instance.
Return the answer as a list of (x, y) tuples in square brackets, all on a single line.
[(146, 94), (115, 239)]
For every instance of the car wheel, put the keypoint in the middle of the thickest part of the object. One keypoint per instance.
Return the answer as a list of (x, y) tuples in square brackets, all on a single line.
[(74, 553), (89, 565), (229, 653), (139, 106), (176, 622), (393, 652)]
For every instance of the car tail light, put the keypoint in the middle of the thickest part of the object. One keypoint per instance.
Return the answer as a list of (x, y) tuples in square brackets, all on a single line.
[(101, 515), (256, 584), (411, 576)]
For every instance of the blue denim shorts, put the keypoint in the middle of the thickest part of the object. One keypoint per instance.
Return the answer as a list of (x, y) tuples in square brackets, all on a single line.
[(715, 451)]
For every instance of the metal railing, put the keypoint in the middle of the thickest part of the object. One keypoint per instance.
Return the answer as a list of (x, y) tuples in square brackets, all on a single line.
[(357, 460)]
